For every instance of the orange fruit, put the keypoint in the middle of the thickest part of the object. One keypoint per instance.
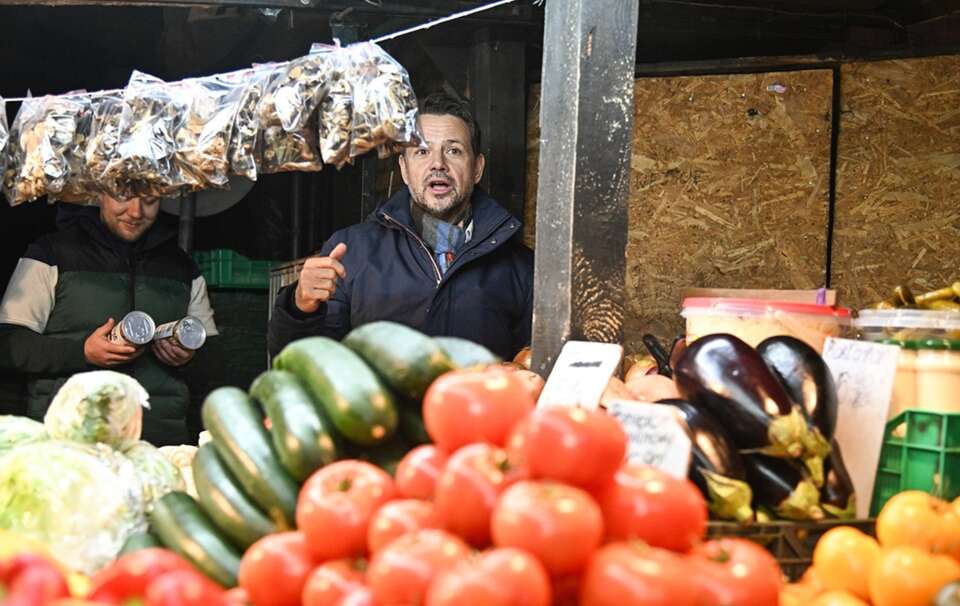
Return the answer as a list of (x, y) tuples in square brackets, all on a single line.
[(921, 520), (838, 598), (798, 594), (843, 558), (909, 576)]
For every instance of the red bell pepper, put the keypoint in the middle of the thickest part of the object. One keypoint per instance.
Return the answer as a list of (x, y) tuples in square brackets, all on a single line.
[(130, 576), (31, 580), (736, 572)]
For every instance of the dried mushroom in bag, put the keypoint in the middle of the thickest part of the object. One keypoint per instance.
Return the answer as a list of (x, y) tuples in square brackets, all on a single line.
[(299, 90), (277, 149), (335, 116), (203, 136), (102, 145), (241, 151), (146, 163), (384, 104), (79, 186), (40, 136)]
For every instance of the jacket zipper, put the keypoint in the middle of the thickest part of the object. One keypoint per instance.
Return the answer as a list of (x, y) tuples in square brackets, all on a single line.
[(413, 234)]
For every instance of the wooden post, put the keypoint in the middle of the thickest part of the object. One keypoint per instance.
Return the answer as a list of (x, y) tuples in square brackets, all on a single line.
[(586, 118)]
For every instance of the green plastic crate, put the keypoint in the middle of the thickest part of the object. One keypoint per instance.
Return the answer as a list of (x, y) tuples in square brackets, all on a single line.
[(921, 451), (225, 268)]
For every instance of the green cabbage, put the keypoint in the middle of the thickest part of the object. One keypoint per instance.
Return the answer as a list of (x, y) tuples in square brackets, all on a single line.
[(158, 475), (82, 501), (15, 431), (98, 406)]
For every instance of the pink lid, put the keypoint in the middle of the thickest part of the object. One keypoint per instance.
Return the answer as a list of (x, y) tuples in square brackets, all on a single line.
[(762, 305)]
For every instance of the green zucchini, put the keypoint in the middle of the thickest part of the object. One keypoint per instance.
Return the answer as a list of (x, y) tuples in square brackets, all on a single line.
[(387, 455), (360, 407), (301, 436), (411, 426), (466, 353), (138, 541), (224, 501), (407, 360), (183, 527), (236, 426)]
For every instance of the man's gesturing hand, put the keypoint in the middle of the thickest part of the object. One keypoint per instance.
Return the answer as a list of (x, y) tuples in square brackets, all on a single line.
[(99, 350), (318, 279)]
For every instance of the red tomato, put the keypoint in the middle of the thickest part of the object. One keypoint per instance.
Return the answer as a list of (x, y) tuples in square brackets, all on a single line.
[(628, 575), (735, 572), (236, 597), (418, 471), (183, 588), (573, 445), (401, 572), (468, 490), (274, 570), (358, 597), (336, 504), (499, 577), (559, 524), (130, 575), (468, 406), (647, 504), (566, 590), (329, 583), (396, 519)]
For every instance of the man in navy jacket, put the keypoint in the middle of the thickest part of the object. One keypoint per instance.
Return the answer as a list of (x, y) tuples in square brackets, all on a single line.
[(439, 256)]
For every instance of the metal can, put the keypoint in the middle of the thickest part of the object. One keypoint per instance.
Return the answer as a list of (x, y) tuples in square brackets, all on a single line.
[(136, 328), (188, 333)]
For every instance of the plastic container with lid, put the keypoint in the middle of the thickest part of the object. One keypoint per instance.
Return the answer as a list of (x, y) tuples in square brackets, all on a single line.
[(938, 375), (753, 320), (907, 324), (904, 394)]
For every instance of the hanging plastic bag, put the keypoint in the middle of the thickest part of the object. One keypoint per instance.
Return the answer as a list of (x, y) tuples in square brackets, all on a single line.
[(279, 150), (79, 187), (241, 151), (102, 148), (384, 104), (40, 137), (335, 115), (152, 113), (300, 89), (203, 136)]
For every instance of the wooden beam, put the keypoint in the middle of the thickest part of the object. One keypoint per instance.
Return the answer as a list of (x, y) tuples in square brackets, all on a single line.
[(586, 117), (499, 91)]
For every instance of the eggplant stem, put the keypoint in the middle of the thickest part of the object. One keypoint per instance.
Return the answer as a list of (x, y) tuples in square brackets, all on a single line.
[(802, 504), (786, 435), (814, 465), (729, 498), (848, 513)]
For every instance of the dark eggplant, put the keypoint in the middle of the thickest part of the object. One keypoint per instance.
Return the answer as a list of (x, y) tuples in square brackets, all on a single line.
[(658, 353), (837, 496), (808, 381), (731, 381), (715, 467), (782, 486)]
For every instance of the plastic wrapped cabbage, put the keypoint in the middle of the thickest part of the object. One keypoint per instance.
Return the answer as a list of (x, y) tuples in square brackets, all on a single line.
[(99, 406), (15, 431), (182, 458), (158, 475), (81, 500)]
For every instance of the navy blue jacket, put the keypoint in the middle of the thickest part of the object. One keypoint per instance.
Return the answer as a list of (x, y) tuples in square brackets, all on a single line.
[(485, 296)]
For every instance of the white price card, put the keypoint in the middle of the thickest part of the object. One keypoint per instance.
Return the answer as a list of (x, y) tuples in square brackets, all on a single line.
[(655, 436), (864, 374), (580, 374)]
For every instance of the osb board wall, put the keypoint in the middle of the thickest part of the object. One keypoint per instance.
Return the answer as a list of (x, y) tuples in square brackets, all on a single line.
[(729, 188), (898, 178)]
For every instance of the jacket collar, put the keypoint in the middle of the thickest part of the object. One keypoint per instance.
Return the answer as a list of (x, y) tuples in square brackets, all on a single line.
[(88, 219)]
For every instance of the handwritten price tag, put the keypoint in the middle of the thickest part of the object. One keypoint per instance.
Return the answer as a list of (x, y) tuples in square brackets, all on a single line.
[(580, 374), (655, 435), (864, 374)]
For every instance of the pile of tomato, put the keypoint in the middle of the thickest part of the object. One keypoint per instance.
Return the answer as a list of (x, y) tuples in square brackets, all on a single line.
[(912, 561), (511, 505)]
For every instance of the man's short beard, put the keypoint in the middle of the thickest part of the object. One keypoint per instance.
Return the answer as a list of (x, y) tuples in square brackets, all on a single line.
[(452, 211)]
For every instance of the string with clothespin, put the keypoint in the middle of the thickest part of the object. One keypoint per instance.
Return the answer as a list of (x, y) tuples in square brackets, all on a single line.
[(377, 40)]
